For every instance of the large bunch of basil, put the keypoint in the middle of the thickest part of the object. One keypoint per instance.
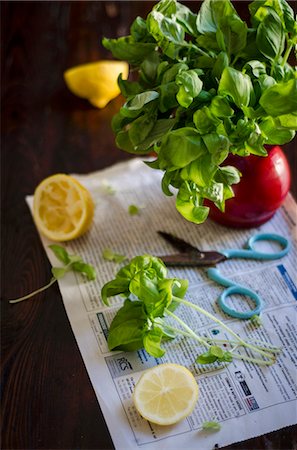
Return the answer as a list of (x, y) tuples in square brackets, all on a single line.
[(206, 85)]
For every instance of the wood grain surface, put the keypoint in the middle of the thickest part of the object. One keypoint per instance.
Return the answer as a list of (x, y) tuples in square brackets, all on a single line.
[(47, 399)]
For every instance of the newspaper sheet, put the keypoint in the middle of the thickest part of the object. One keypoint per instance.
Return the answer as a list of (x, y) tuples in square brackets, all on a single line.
[(246, 399)]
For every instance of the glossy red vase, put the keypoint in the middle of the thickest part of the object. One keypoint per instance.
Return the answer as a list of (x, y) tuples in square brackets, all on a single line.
[(264, 185)]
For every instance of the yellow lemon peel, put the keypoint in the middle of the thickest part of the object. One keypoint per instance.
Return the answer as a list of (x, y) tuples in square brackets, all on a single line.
[(97, 81)]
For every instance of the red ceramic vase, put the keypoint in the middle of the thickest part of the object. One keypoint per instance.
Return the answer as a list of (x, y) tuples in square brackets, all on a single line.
[(262, 189)]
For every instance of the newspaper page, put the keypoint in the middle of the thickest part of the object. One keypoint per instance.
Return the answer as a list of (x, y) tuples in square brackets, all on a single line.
[(247, 400)]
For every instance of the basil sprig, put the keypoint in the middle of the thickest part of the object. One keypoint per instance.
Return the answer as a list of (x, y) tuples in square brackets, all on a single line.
[(147, 317), (206, 85)]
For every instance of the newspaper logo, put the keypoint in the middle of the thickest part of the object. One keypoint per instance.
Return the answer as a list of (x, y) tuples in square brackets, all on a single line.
[(252, 403)]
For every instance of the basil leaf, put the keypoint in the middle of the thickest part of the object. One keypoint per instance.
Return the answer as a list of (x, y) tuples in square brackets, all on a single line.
[(127, 328), (60, 253), (141, 128), (221, 62), (220, 107), (85, 269), (125, 48), (204, 121), (186, 18), (218, 145), (180, 147), (128, 87), (211, 426), (190, 86), (232, 34), (228, 175), (159, 130), (187, 204), (236, 84), (200, 171), (275, 133), (210, 14), (167, 32), (136, 103), (58, 272), (114, 287), (281, 98), (270, 36), (152, 342)]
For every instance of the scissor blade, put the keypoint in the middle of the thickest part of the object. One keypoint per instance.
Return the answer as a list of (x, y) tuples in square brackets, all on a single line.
[(193, 259), (179, 244)]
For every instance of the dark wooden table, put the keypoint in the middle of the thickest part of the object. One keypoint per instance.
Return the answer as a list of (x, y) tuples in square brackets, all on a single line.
[(47, 399)]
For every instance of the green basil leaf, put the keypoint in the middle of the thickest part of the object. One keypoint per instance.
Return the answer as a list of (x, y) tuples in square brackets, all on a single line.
[(119, 285), (125, 48), (220, 107), (232, 34), (136, 103), (171, 71), (167, 32), (270, 36), (128, 327), (214, 192), (187, 204), (275, 133), (60, 253), (186, 18), (128, 88), (141, 128), (152, 342), (123, 141), (280, 99), (159, 130), (168, 99), (256, 68), (221, 62), (236, 84), (210, 14), (216, 351), (119, 122), (138, 30), (180, 147), (59, 272), (190, 86), (166, 180), (86, 269), (200, 171), (204, 121), (211, 426), (206, 358), (228, 175), (218, 145), (288, 121), (149, 68)]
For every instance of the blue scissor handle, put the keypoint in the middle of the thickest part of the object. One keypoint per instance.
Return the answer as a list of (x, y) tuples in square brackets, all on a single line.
[(251, 253), (233, 288)]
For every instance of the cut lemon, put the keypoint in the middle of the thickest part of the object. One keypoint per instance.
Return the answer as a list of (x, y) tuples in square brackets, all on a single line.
[(96, 82), (63, 209), (166, 394)]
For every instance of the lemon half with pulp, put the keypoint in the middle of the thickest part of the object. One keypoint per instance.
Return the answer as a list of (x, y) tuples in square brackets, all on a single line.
[(166, 394), (63, 209)]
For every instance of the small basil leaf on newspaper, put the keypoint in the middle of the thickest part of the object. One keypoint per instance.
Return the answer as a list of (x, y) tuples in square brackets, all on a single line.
[(71, 263)]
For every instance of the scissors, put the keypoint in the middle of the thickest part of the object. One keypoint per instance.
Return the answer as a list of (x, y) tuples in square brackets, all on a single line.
[(191, 256)]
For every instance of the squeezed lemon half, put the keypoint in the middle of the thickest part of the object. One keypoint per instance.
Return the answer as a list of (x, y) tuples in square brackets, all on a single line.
[(63, 209), (166, 394), (97, 81)]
